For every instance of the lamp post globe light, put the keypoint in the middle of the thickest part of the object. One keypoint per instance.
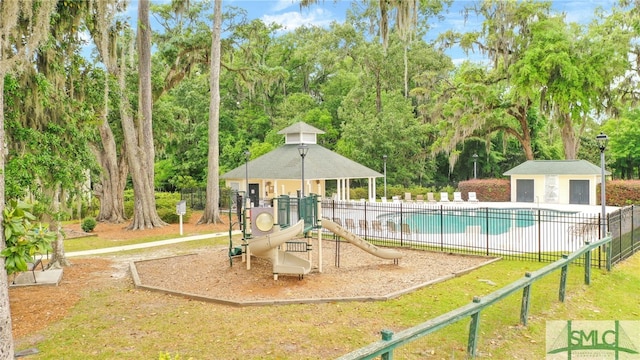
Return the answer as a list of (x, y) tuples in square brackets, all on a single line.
[(303, 149), (602, 140), (475, 165), (384, 160)]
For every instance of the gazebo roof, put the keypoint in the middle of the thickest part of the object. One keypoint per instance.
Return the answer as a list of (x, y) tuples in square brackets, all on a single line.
[(285, 163), (556, 167), (300, 127)]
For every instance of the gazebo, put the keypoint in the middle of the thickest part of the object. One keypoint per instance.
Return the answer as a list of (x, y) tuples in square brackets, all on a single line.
[(279, 172)]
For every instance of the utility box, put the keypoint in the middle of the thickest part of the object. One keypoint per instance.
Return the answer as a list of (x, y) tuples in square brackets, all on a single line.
[(181, 207)]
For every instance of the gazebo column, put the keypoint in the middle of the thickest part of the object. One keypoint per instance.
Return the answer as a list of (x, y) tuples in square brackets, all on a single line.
[(372, 189), (348, 189)]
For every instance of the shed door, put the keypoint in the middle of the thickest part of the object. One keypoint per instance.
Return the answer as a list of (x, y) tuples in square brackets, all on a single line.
[(524, 190), (579, 192)]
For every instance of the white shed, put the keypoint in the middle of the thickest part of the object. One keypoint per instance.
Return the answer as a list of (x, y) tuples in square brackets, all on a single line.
[(555, 182)]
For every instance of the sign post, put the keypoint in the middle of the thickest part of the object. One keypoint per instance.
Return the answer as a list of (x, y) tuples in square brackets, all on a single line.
[(181, 209)]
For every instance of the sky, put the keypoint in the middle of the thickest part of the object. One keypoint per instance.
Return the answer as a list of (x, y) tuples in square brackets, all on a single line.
[(288, 14)]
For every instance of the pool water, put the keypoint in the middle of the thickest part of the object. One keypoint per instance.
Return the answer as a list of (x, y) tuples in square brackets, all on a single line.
[(489, 221)]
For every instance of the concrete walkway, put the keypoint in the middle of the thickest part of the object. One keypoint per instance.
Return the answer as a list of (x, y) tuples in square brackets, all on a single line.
[(115, 249)]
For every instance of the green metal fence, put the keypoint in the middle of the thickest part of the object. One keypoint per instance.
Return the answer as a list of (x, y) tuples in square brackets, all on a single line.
[(390, 341)]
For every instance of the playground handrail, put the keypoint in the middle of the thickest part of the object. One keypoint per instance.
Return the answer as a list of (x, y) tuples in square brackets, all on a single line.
[(390, 341)]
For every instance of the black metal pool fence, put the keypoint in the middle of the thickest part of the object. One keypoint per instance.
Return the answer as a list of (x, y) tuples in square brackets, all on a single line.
[(519, 233)]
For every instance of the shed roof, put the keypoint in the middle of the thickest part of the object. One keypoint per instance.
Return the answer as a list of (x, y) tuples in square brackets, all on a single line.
[(285, 163), (556, 167)]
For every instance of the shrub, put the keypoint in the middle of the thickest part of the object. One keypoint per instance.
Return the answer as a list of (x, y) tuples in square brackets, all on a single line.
[(88, 224), (359, 193), (171, 217), (497, 190), (621, 192), (23, 238)]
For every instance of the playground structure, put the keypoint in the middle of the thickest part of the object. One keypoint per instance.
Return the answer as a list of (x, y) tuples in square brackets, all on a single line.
[(270, 233)]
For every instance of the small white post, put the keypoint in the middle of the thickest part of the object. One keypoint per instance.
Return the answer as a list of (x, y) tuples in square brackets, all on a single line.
[(181, 209)]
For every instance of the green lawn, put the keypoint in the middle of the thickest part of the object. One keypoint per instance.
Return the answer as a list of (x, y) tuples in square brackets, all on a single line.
[(121, 322)]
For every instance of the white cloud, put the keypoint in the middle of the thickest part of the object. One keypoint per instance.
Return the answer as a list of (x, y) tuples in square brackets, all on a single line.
[(280, 5), (295, 19)]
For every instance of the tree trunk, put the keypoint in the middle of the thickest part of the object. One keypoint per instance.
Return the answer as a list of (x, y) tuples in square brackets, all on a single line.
[(569, 139), (113, 177), (520, 114), (6, 337), (211, 212), (139, 139), (145, 101), (406, 73), (58, 258)]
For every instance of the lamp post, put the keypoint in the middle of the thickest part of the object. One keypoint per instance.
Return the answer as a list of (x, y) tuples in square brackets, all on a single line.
[(602, 140), (475, 165), (384, 160), (303, 149), (247, 154)]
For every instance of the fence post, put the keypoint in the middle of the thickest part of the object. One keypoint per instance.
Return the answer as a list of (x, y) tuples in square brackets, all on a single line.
[(441, 228), (587, 266), (633, 227), (386, 336), (400, 228), (608, 254), (526, 299), (474, 327), (486, 215), (539, 237), (563, 280)]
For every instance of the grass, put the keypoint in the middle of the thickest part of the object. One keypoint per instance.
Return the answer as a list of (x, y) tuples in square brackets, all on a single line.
[(122, 322)]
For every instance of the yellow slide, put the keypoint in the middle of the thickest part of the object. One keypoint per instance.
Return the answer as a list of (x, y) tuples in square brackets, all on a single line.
[(360, 242)]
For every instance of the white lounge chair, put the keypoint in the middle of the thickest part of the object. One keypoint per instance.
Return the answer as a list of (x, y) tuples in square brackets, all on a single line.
[(472, 197), (457, 196), (430, 197), (444, 197)]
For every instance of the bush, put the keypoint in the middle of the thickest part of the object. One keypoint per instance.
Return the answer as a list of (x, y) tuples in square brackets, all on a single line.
[(88, 224), (620, 192), (497, 190), (23, 238), (171, 217)]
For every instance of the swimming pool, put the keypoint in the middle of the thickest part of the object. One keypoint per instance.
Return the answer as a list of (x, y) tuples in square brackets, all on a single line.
[(490, 221)]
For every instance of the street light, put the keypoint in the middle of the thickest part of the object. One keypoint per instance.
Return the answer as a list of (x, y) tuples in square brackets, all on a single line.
[(303, 149), (602, 140), (247, 154), (384, 159), (475, 165)]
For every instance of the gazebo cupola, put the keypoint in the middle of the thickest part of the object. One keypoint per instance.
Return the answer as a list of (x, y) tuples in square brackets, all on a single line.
[(300, 133)]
